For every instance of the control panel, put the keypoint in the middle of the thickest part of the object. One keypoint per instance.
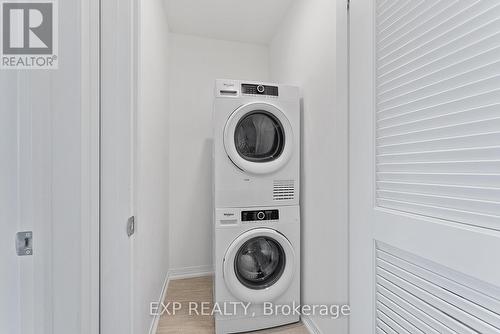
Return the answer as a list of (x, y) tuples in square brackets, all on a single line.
[(259, 215), (255, 89)]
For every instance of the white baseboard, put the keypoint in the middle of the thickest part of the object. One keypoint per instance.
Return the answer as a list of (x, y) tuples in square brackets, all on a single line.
[(163, 294), (189, 272), (310, 325), (178, 273), (199, 271)]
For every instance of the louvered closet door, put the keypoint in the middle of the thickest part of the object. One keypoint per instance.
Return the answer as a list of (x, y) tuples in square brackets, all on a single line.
[(425, 166)]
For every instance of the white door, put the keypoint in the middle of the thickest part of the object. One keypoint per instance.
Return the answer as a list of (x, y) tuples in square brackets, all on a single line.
[(425, 166), (118, 119), (49, 182)]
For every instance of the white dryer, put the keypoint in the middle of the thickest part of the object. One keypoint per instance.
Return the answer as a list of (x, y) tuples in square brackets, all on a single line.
[(256, 144), (257, 260)]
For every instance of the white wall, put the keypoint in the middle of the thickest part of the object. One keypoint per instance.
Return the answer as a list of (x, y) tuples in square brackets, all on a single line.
[(309, 51), (195, 63), (151, 247)]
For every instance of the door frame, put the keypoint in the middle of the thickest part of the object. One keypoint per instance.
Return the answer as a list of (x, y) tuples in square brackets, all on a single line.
[(361, 154), (90, 164), (119, 52)]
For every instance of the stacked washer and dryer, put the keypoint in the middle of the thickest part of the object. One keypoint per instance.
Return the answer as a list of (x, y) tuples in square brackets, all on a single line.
[(256, 211)]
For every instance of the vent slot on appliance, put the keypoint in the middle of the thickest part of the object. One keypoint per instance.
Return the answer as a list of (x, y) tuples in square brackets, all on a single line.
[(283, 190), (415, 295)]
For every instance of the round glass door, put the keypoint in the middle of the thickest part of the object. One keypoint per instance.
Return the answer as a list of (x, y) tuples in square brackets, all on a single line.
[(259, 263), (259, 137)]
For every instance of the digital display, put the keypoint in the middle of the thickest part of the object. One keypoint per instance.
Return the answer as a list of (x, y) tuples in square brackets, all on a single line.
[(259, 215), (259, 89)]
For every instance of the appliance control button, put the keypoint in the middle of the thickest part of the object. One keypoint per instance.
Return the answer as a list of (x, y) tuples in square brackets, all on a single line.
[(261, 215), (261, 89)]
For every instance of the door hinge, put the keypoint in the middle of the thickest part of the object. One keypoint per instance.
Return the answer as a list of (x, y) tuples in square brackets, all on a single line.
[(131, 226)]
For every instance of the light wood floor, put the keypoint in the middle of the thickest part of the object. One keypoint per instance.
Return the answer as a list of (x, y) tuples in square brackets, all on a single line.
[(200, 290)]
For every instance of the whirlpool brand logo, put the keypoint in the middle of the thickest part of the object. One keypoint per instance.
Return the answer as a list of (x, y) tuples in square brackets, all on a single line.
[(29, 34)]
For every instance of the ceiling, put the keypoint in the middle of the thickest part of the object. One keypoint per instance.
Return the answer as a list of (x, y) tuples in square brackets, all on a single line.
[(252, 21)]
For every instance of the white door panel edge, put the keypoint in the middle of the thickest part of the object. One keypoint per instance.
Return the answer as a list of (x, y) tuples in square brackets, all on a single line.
[(90, 83), (418, 63), (118, 126)]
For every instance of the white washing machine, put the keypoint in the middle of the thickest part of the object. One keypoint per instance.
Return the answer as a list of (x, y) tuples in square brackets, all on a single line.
[(256, 144), (257, 260)]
